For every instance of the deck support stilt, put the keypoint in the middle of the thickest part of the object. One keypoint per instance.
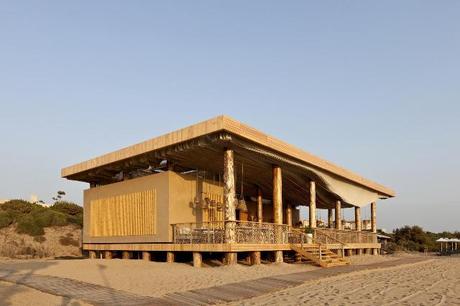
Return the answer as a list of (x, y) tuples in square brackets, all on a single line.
[(197, 259), (125, 255), (255, 258), (375, 251), (231, 258), (170, 257), (92, 255), (108, 254), (278, 206), (146, 256)]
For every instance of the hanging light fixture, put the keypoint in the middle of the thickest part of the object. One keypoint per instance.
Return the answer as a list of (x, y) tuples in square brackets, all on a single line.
[(241, 202)]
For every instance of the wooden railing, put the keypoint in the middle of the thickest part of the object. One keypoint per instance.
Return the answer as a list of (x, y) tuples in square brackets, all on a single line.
[(330, 235), (246, 232)]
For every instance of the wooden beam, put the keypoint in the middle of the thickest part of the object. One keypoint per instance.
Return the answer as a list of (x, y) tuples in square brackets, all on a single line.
[(289, 215), (329, 217)]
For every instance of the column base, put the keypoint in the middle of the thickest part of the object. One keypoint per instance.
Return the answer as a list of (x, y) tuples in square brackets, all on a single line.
[(230, 258), (197, 259), (255, 258), (170, 257), (278, 256)]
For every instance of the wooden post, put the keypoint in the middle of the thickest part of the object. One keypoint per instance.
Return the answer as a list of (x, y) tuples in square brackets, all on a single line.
[(125, 255), (374, 217), (260, 211), (92, 254), (289, 215), (197, 259), (358, 223), (146, 256), (278, 205), (338, 217), (108, 254), (312, 207), (170, 257), (329, 218), (255, 258), (229, 203)]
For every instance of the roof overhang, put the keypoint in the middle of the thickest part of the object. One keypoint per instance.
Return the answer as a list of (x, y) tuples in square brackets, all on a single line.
[(200, 146)]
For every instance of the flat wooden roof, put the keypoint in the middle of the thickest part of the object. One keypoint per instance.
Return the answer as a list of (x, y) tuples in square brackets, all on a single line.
[(223, 123)]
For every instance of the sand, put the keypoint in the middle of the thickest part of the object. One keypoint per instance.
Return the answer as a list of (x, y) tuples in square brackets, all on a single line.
[(12, 294), (149, 278), (436, 282)]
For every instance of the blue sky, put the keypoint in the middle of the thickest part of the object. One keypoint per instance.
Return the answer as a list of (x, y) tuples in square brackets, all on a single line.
[(372, 86)]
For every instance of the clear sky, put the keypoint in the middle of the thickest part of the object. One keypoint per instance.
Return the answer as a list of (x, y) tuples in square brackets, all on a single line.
[(373, 86)]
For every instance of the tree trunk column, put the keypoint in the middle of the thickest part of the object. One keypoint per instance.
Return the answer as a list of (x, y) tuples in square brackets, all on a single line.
[(260, 212), (338, 217), (278, 206), (289, 215), (329, 218), (312, 207), (374, 217), (358, 223), (229, 203)]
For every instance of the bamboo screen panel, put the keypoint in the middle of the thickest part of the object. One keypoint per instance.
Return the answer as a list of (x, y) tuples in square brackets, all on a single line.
[(131, 214), (213, 211)]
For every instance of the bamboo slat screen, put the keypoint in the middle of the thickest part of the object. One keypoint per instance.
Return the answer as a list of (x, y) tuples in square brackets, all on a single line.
[(214, 211), (131, 214)]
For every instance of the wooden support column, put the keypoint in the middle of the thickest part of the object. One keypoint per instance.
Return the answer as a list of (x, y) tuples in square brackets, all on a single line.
[(289, 215), (125, 255), (108, 254), (197, 259), (170, 257), (358, 223), (146, 256), (338, 216), (229, 203), (374, 217), (92, 254), (278, 205), (312, 207), (329, 217), (255, 258), (260, 208)]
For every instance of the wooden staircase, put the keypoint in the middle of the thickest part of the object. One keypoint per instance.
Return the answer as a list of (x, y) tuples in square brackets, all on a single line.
[(319, 255)]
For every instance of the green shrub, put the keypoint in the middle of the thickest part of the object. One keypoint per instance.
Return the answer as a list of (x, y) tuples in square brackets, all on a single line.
[(19, 206), (6, 219), (68, 208), (28, 225)]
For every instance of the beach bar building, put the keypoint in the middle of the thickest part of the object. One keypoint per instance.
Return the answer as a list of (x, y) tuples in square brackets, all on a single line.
[(222, 187)]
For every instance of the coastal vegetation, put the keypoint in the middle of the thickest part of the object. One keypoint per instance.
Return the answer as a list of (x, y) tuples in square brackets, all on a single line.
[(32, 218), (414, 238)]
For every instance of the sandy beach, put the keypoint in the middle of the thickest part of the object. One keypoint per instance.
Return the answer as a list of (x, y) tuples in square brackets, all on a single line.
[(436, 282), (433, 282)]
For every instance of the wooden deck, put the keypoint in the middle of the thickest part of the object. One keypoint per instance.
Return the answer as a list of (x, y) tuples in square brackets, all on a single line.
[(224, 247)]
